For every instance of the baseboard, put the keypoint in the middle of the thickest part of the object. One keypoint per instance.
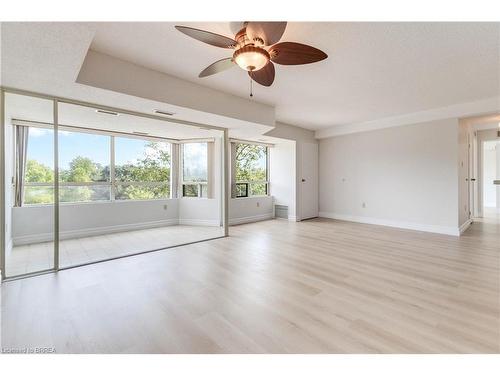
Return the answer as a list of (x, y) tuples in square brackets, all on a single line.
[(465, 226), (250, 219), (202, 222), (452, 231), (64, 235)]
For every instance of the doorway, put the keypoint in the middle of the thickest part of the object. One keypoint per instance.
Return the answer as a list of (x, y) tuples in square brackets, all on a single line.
[(490, 176), (309, 205)]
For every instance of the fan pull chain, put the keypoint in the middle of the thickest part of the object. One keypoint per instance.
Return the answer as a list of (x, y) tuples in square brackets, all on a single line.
[(251, 88)]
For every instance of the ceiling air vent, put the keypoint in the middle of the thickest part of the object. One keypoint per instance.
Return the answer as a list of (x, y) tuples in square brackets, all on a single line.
[(163, 113), (104, 112), (140, 133)]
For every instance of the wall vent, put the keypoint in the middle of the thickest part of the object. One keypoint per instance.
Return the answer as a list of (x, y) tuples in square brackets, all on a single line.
[(104, 112), (163, 113)]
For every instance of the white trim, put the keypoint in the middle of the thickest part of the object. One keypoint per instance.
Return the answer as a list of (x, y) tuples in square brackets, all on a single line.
[(465, 226), (452, 231), (250, 219), (478, 107), (292, 218), (201, 222), (256, 143), (78, 233)]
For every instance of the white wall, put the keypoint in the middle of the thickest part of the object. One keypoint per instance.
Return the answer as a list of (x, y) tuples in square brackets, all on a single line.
[(282, 171), (300, 136), (246, 210), (35, 223), (406, 176)]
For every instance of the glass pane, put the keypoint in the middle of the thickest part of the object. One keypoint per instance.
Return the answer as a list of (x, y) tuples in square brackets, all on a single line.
[(140, 192), (38, 195), (190, 190), (241, 190), (140, 160), (89, 193), (83, 157), (204, 191), (251, 162), (30, 209), (258, 189), (136, 214), (194, 162)]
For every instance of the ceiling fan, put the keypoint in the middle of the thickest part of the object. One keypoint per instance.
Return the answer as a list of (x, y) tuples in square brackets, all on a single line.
[(256, 48)]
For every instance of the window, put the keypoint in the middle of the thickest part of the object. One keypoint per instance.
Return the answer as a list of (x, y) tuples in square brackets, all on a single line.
[(39, 175), (251, 178), (84, 167), (142, 169), (195, 170)]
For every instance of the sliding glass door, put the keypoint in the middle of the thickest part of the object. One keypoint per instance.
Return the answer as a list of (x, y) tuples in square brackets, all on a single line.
[(84, 184), (29, 184)]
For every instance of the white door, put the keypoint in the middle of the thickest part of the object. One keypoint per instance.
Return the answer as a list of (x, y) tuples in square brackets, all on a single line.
[(308, 181)]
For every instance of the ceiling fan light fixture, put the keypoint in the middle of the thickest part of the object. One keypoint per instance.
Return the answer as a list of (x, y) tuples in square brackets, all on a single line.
[(251, 58)]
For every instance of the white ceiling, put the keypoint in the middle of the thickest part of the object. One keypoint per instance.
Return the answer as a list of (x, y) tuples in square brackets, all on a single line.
[(28, 108), (374, 70), (47, 58)]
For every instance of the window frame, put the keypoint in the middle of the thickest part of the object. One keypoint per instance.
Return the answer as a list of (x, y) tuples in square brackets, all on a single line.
[(112, 183), (248, 184)]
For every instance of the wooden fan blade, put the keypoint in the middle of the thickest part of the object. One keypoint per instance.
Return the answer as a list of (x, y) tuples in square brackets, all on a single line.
[(217, 67), (290, 53), (269, 32), (207, 37), (265, 75)]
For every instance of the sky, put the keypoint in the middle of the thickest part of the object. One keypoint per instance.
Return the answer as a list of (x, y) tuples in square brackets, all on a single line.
[(72, 144)]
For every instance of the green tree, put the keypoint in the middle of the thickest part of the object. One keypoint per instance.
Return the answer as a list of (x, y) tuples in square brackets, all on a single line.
[(81, 169), (154, 166), (250, 166), (37, 172)]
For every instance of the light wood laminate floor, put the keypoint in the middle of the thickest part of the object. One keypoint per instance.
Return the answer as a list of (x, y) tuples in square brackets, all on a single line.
[(36, 257), (320, 286)]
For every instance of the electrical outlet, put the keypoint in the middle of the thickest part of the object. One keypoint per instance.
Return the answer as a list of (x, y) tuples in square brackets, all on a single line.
[(165, 207), (363, 205), (258, 204)]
